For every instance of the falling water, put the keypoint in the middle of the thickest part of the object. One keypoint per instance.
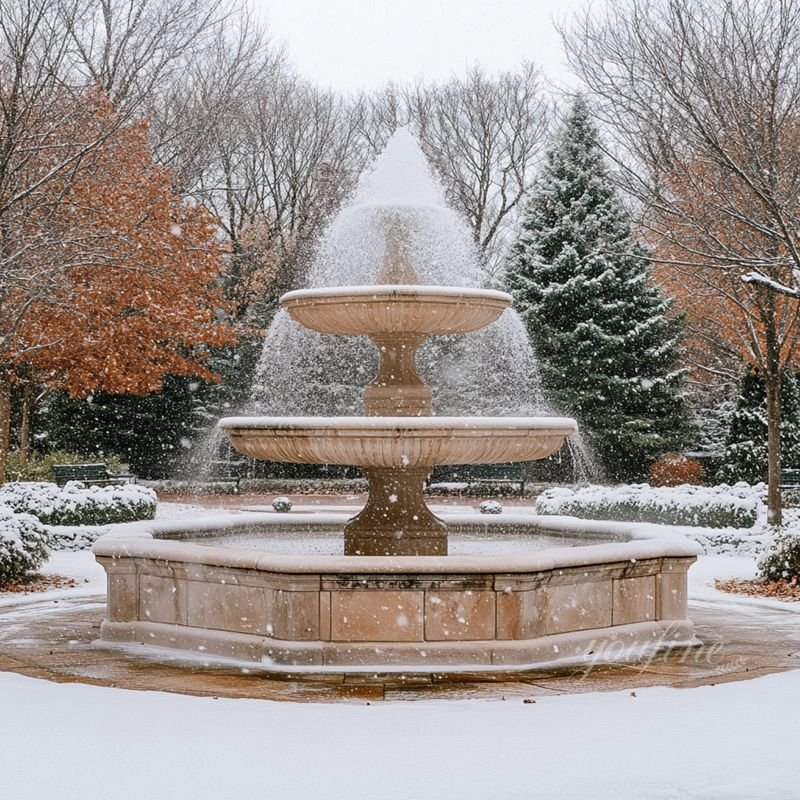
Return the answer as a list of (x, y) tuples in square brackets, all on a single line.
[(489, 372)]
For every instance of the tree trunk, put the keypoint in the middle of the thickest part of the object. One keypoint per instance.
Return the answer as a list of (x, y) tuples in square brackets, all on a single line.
[(773, 382), (5, 424), (25, 424), (774, 449)]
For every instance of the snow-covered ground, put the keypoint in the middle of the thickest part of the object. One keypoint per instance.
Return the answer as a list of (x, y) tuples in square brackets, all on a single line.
[(77, 742), (727, 742)]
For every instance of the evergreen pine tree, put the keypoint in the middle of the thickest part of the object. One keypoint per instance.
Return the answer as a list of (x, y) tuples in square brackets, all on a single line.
[(150, 432), (600, 328), (746, 446)]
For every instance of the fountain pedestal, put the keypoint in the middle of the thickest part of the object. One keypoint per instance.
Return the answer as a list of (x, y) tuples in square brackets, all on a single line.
[(395, 521)]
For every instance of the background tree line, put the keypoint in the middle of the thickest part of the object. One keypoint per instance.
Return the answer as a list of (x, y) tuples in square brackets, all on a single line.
[(701, 103), (695, 102), (238, 133)]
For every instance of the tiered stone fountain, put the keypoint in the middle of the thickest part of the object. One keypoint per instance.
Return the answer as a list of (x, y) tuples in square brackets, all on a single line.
[(395, 599), (398, 442)]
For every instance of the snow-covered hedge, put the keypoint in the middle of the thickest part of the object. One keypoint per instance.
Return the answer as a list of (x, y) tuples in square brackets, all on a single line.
[(264, 486), (781, 559), (77, 504), (23, 544), (74, 537), (728, 541), (705, 506)]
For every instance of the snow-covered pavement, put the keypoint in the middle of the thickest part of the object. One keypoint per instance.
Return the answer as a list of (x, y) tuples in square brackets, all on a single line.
[(77, 742)]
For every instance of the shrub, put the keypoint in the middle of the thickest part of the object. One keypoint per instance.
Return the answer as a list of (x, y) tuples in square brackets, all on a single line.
[(23, 544), (282, 504), (713, 507), (781, 559), (265, 486), (675, 469), (76, 504), (80, 537), (482, 489)]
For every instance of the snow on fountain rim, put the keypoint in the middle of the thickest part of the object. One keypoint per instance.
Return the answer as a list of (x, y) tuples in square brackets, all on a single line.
[(380, 291), (409, 423), (149, 539)]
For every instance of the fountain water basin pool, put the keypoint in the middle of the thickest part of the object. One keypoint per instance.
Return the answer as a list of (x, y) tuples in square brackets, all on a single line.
[(516, 592)]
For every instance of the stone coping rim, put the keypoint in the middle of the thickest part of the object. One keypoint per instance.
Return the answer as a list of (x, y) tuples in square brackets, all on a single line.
[(380, 293), (142, 541), (385, 426)]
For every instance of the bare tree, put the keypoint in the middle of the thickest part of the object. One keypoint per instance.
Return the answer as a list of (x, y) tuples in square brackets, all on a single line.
[(35, 106), (377, 114), (282, 161), (186, 108), (130, 48), (484, 135), (60, 62), (703, 99)]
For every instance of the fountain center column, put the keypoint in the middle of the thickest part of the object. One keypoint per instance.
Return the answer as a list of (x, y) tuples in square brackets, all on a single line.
[(396, 521), (397, 390)]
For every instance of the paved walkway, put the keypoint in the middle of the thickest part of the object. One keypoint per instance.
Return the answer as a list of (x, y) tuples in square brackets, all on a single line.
[(54, 640)]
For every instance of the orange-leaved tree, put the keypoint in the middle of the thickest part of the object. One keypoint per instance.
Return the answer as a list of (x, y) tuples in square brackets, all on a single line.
[(124, 286), (708, 258)]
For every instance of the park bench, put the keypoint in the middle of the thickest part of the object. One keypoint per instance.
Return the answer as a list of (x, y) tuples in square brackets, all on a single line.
[(790, 479), (96, 474), (476, 474), (228, 471)]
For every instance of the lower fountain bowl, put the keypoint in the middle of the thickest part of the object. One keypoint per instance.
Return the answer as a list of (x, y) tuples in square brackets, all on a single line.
[(398, 442), (294, 613)]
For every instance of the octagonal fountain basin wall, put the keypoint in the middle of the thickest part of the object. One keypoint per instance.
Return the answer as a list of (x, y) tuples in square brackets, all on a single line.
[(293, 613)]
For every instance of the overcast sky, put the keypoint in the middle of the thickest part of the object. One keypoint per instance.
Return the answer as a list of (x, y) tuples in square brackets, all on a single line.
[(354, 44)]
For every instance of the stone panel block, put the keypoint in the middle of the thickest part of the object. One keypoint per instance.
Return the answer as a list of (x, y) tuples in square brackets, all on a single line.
[(634, 600), (293, 616), (521, 615), (325, 616), (577, 607), (123, 596), (162, 599), (459, 616), (672, 596), (227, 607), (377, 616)]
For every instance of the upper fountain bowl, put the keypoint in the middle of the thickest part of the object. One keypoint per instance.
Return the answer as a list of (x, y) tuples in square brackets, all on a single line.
[(381, 309)]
